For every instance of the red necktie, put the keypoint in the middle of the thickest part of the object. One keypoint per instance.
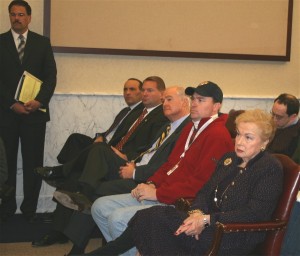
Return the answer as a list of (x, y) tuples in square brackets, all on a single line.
[(122, 142)]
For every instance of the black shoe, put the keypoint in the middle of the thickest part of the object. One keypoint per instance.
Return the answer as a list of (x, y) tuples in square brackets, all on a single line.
[(50, 173), (50, 239), (75, 201)]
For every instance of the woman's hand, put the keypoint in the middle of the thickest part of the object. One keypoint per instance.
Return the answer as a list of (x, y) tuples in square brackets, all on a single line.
[(144, 192), (193, 225)]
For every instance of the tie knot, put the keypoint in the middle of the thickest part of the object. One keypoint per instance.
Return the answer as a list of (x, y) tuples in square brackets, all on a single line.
[(21, 37), (168, 128)]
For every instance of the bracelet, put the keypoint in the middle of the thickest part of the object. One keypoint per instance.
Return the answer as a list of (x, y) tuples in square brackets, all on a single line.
[(195, 211), (206, 224)]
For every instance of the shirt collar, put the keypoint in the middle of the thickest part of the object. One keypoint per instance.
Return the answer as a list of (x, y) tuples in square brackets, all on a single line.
[(133, 106), (178, 122), (150, 109), (16, 35)]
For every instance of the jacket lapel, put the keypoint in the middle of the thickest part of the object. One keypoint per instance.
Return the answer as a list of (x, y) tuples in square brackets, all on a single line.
[(11, 47)]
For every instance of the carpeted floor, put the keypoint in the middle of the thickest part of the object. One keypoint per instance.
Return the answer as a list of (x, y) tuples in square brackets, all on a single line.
[(25, 249)]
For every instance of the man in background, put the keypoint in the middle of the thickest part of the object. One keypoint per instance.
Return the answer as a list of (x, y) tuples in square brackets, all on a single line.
[(285, 112)]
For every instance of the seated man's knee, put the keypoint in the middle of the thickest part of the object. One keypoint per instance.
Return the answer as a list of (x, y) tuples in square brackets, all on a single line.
[(95, 209), (99, 207), (118, 220)]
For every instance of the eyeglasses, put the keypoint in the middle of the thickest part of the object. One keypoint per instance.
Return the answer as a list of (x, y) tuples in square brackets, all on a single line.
[(277, 117)]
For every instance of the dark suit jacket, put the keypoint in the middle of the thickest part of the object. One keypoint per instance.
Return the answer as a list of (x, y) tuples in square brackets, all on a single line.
[(146, 133), (126, 124), (39, 61)]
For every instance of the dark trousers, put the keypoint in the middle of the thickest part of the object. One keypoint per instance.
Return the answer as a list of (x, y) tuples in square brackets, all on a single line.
[(95, 164), (75, 143), (98, 166), (32, 140)]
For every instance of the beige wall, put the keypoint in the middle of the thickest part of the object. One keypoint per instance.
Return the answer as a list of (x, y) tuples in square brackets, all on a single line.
[(105, 74)]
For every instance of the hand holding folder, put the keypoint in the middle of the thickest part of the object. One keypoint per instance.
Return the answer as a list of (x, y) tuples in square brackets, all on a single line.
[(28, 88)]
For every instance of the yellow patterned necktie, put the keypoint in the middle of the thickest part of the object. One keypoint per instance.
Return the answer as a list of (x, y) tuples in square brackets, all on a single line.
[(158, 143)]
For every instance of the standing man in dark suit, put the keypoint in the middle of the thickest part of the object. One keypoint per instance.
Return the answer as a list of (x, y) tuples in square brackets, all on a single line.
[(23, 50), (76, 142)]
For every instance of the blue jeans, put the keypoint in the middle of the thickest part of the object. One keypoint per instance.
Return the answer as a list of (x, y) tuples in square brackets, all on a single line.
[(291, 242), (112, 213)]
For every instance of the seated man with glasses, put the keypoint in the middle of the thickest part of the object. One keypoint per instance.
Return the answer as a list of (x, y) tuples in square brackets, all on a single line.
[(286, 141), (285, 112)]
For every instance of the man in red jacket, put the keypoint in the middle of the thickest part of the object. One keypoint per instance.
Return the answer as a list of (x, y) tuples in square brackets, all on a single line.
[(190, 164)]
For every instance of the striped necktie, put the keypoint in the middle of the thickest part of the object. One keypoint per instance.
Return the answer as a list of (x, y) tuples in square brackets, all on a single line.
[(163, 136), (121, 143), (21, 47)]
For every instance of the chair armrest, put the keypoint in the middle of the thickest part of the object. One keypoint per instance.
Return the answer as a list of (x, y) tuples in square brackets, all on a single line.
[(222, 228), (252, 227)]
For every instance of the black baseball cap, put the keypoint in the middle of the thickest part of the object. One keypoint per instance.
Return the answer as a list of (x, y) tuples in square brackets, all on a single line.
[(206, 89)]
